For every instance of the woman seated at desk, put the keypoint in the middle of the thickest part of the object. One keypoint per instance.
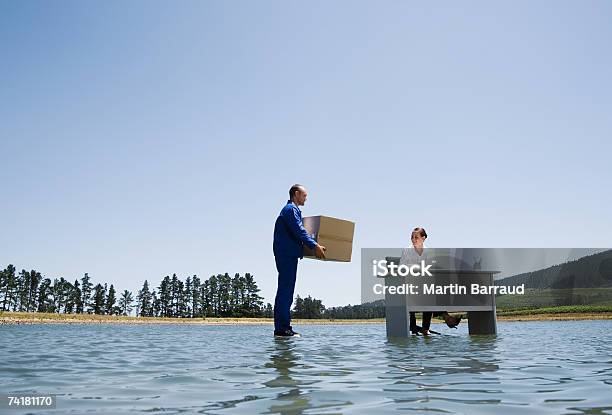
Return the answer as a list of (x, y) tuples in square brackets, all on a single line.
[(414, 255)]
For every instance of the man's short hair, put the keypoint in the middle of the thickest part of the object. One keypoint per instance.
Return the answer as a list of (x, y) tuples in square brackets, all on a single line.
[(294, 189)]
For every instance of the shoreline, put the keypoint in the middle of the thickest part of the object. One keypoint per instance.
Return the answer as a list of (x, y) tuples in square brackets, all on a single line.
[(48, 318)]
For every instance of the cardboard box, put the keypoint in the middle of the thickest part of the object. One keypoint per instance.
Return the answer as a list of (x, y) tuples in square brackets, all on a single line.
[(334, 234)]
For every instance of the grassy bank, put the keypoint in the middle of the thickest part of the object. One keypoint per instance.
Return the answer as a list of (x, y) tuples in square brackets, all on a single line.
[(31, 318), (540, 298), (545, 313), (575, 312), (570, 309), (555, 317)]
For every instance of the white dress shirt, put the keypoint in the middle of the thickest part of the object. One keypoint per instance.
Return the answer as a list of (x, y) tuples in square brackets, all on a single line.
[(411, 256)]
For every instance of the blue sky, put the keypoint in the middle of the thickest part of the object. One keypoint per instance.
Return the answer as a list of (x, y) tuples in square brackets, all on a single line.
[(145, 138)]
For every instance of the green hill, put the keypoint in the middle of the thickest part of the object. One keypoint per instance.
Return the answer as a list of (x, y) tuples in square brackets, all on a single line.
[(591, 271), (585, 281)]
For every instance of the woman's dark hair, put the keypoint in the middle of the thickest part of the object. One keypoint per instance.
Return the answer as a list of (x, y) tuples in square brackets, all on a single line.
[(420, 231)]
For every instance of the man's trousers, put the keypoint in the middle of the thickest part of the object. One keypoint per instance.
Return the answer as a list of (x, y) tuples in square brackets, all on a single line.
[(287, 272)]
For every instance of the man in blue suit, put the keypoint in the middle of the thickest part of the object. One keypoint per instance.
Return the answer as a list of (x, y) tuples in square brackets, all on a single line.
[(289, 239)]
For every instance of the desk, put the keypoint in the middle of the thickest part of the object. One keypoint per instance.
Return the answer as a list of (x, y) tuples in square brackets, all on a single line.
[(481, 310)]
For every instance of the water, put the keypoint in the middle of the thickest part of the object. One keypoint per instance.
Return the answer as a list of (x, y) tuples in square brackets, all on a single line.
[(529, 368)]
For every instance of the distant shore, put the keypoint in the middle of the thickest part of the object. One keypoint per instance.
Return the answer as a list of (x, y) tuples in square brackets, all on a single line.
[(50, 318)]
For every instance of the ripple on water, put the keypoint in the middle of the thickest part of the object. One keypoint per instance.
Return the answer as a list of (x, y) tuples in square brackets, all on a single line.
[(332, 369)]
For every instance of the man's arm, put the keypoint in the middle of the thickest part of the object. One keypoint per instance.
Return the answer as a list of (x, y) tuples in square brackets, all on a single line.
[(295, 225)]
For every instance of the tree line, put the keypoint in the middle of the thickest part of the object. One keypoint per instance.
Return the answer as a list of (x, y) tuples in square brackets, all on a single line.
[(29, 291), (218, 296), (375, 309)]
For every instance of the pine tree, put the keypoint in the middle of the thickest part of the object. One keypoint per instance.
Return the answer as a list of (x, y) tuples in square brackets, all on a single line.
[(174, 296), (196, 300), (86, 290), (23, 287), (298, 308), (206, 300), (99, 299), (212, 297), (187, 298), (224, 296), (165, 297), (254, 302), (45, 304), (154, 311), (76, 297), (125, 303), (181, 304), (177, 294), (35, 279), (8, 287), (269, 311), (111, 299), (60, 291), (312, 308), (145, 301), (237, 296), (70, 303)]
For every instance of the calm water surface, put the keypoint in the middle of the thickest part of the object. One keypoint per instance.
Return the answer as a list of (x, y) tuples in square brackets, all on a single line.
[(529, 368)]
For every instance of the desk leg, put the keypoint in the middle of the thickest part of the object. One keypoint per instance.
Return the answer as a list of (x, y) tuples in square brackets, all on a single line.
[(482, 322), (396, 315), (397, 322)]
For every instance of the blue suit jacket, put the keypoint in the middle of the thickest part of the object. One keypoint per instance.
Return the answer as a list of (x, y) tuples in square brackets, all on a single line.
[(289, 233)]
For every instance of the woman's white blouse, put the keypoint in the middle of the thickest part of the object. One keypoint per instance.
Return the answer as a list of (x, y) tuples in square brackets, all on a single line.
[(411, 256)]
